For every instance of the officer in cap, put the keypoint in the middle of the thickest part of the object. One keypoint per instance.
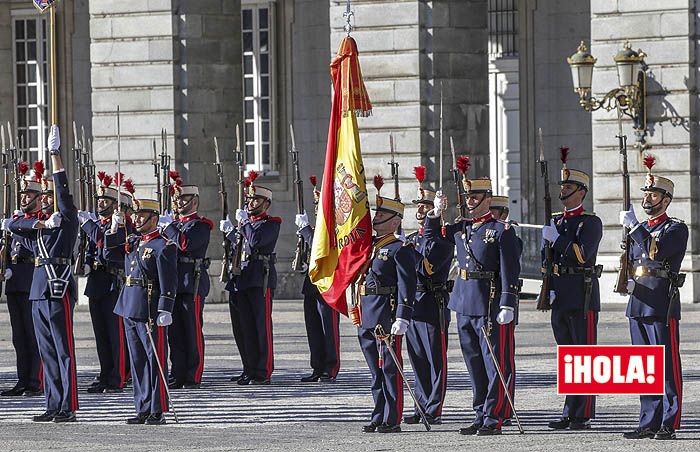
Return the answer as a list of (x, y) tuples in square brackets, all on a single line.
[(254, 287), (654, 311), (574, 236), (190, 232)]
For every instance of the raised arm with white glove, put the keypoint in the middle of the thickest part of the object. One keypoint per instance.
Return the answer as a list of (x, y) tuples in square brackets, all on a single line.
[(399, 327)]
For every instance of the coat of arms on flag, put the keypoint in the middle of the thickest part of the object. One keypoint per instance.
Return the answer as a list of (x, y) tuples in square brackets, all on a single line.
[(43, 5)]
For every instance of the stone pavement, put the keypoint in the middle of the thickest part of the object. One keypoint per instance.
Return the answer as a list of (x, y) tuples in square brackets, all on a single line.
[(290, 415)]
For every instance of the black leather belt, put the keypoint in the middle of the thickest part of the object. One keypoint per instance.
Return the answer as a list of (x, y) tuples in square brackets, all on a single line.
[(138, 282), (22, 260), (464, 274), (108, 269), (590, 271), (41, 261), (270, 258), (653, 272), (382, 290), (204, 261), (448, 286)]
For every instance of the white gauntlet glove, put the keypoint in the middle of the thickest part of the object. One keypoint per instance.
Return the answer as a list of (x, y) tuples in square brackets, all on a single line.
[(399, 327), (164, 318), (505, 316), (226, 226), (301, 220), (54, 221), (54, 140), (241, 215)]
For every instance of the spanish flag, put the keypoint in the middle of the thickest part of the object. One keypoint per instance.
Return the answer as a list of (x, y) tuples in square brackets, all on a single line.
[(343, 236)]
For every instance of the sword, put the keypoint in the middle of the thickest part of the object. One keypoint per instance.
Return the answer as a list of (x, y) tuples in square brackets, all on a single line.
[(119, 164), (386, 339), (500, 376), (164, 381)]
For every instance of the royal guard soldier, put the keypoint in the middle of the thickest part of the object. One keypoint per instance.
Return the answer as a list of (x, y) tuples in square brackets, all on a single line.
[(574, 236), (485, 295), (322, 321), (146, 304), (18, 282), (658, 248), (54, 292), (254, 288), (190, 232), (104, 282), (387, 295), (426, 337)]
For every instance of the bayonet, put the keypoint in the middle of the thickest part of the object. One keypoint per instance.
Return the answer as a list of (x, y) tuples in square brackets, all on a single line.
[(394, 168)]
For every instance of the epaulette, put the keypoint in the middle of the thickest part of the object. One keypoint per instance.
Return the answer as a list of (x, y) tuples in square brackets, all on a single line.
[(676, 220), (208, 222), (587, 213), (557, 214), (275, 219)]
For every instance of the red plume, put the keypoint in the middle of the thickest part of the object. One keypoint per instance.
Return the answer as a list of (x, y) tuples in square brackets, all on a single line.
[(564, 154), (129, 186), (252, 175), (378, 182), (463, 164), (107, 180), (178, 181), (38, 170), (649, 161), (172, 190), (246, 182), (173, 175), (101, 175), (419, 171), (313, 180), (23, 167), (118, 178)]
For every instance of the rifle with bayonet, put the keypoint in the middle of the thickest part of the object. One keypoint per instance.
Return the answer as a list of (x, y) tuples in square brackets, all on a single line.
[(299, 264), (460, 166), (224, 211), (165, 170), (394, 168), (79, 266), (625, 265), (156, 174), (543, 301), (91, 175), (16, 176), (239, 156), (5, 256)]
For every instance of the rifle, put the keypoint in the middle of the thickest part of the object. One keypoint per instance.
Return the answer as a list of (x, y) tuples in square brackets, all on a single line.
[(165, 169), (91, 184), (543, 302), (456, 171), (224, 212), (394, 168), (16, 176), (239, 156), (156, 174), (625, 264), (439, 184), (5, 256), (79, 266), (302, 252), (119, 182)]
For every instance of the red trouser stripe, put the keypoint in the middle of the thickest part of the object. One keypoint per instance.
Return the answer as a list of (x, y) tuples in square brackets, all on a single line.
[(399, 380), (269, 366), (443, 346), (161, 355), (336, 341), (590, 340), (71, 351), (120, 327), (511, 356), (501, 347), (676, 370), (200, 339)]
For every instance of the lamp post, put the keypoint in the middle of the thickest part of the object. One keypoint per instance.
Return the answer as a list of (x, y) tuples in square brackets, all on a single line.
[(629, 97)]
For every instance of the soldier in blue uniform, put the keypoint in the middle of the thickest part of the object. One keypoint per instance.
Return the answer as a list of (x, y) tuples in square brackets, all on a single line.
[(253, 290), (574, 236), (426, 338), (18, 281), (146, 304), (388, 293), (104, 281), (322, 321), (485, 295), (54, 291), (654, 311), (190, 232)]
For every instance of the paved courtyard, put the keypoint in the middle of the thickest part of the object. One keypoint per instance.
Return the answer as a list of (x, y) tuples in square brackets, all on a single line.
[(289, 415)]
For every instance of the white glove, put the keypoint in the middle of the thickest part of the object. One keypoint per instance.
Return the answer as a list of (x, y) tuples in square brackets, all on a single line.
[(18, 213), (165, 219), (401, 236), (164, 318), (241, 215), (8, 273), (54, 220), (86, 269), (5, 224), (505, 315), (552, 296), (84, 216), (54, 140), (439, 203), (628, 219), (302, 220), (630, 286), (550, 232), (399, 327), (226, 226), (117, 220)]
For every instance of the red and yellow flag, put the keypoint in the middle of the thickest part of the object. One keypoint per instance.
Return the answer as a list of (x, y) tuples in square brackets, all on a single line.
[(343, 236)]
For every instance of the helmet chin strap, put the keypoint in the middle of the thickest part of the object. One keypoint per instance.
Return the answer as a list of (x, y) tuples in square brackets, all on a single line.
[(189, 203), (106, 211), (564, 198), (472, 209), (26, 207), (654, 208), (377, 223)]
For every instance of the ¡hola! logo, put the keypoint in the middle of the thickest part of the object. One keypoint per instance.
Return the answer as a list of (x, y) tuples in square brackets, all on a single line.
[(610, 369)]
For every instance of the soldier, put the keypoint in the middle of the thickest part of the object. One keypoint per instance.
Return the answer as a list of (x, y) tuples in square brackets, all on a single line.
[(190, 233), (254, 288), (149, 293), (322, 321), (500, 207), (486, 292), (53, 292), (104, 282), (574, 236), (658, 247), (426, 338), (18, 282), (387, 296)]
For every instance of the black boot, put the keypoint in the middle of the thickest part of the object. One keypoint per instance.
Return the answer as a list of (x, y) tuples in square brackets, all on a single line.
[(386, 428), (313, 378), (370, 428), (96, 389), (18, 390), (580, 424), (639, 433), (326, 378), (47, 416), (33, 392), (64, 416), (560, 424), (238, 377), (665, 433), (260, 381), (244, 380), (155, 419), (138, 419), (471, 430), (488, 430)]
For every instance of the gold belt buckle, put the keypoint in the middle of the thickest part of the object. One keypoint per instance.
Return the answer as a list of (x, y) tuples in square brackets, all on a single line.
[(128, 280), (14, 259), (555, 269), (362, 290), (37, 262), (463, 274), (639, 271)]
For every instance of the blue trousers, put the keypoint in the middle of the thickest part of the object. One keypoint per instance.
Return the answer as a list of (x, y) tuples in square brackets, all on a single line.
[(235, 315), (149, 388), (186, 339), (255, 311), (110, 341), (323, 334), (29, 371)]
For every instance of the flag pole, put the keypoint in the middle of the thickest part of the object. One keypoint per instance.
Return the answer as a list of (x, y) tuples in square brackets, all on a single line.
[(52, 68)]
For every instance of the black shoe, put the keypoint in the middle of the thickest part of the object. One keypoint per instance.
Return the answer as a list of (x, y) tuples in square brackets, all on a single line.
[(385, 428), (313, 378), (370, 428), (665, 433), (175, 385), (138, 419), (33, 392), (96, 382), (471, 430), (191, 385), (46, 417), (326, 378), (507, 423), (244, 380), (64, 416), (412, 420), (639, 433), (488, 430), (96, 389), (18, 390), (238, 377), (260, 381), (580, 424), (560, 424), (155, 419), (171, 380), (113, 389)]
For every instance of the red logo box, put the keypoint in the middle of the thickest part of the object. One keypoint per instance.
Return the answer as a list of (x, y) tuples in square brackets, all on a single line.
[(610, 369)]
